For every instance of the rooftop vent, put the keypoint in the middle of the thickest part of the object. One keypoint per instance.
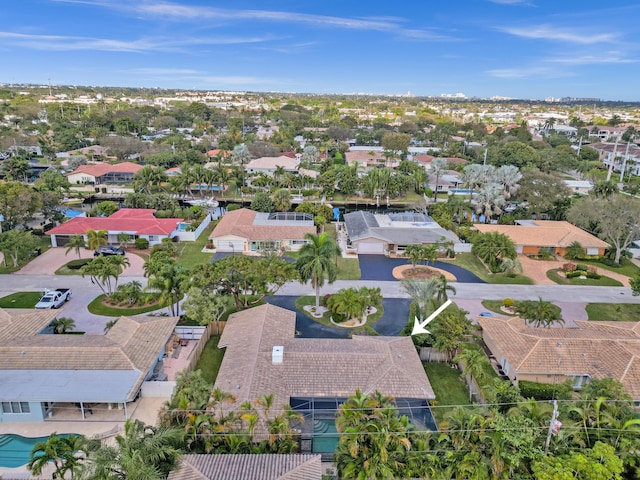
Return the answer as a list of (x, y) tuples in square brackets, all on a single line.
[(277, 356)]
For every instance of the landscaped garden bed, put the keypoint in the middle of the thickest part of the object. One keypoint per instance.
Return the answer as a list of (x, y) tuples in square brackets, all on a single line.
[(579, 277), (103, 305), (325, 319)]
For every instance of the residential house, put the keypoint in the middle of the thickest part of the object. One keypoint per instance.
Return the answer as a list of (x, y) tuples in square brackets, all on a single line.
[(370, 159), (580, 187), (104, 173), (534, 236), (42, 373), (553, 355), (246, 231), (449, 181), (268, 165), (427, 159), (369, 233), (137, 222), (248, 467), (315, 375), (621, 156), (606, 133)]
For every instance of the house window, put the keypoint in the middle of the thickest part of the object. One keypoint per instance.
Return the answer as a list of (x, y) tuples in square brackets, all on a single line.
[(15, 407), (299, 242), (153, 238), (580, 381)]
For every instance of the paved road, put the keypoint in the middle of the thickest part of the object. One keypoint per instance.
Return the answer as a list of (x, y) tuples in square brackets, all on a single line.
[(570, 298), (380, 268)]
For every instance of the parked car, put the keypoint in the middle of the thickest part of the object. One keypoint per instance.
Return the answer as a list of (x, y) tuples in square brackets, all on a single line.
[(54, 298), (108, 250)]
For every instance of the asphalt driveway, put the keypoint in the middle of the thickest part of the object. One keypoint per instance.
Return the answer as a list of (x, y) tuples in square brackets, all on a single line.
[(380, 268), (396, 314)]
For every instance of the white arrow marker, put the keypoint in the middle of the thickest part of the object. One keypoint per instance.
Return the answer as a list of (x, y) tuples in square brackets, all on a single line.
[(418, 327)]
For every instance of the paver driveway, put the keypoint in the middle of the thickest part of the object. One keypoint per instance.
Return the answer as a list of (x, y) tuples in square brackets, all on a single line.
[(54, 258), (379, 267)]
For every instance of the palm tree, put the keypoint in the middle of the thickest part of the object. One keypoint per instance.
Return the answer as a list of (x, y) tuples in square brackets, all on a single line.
[(96, 238), (123, 239), (118, 264), (492, 248), (508, 176), (427, 294), (282, 200), (63, 452), (510, 266), (315, 261), (171, 281), (473, 367), (348, 303), (241, 156), (142, 453), (63, 325), (489, 201), (540, 313), (438, 166), (76, 242)]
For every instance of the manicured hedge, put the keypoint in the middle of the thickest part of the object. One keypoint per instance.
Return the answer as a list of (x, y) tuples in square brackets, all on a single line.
[(545, 391), (78, 264)]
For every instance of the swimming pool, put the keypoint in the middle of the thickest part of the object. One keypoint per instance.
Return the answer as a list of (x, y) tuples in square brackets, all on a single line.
[(16, 450), (72, 213), (325, 436)]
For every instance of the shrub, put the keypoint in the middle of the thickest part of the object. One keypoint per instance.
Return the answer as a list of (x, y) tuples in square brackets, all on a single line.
[(569, 267), (508, 302), (545, 391), (142, 243), (325, 298), (78, 264), (575, 274), (582, 266), (233, 206), (593, 275)]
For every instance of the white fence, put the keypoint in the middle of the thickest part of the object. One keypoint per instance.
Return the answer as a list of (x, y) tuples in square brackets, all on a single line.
[(157, 389), (185, 236), (462, 247), (190, 333)]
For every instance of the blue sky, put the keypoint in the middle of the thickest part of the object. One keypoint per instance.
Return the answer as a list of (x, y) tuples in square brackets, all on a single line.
[(515, 48)]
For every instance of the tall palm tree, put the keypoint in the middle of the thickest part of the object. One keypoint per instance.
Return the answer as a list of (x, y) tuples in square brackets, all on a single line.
[(76, 242), (427, 294), (96, 238), (438, 167), (508, 177), (171, 281), (492, 248), (241, 156), (489, 201), (473, 368), (315, 261)]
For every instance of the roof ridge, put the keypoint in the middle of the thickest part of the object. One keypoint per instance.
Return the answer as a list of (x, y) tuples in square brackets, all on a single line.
[(529, 354)]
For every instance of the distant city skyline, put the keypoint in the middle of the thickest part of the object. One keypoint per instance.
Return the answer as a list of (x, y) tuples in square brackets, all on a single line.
[(484, 48)]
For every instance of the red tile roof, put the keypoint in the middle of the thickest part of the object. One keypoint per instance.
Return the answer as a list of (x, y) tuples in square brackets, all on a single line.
[(138, 221), (101, 169), (240, 223), (429, 159)]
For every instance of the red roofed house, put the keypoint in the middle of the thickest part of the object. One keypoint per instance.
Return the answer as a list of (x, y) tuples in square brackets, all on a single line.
[(104, 173), (137, 222), (246, 231)]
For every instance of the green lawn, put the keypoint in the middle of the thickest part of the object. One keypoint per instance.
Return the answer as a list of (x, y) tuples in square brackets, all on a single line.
[(45, 244), (622, 312), (190, 254), (494, 306), (65, 270), (20, 300), (470, 262), (97, 308), (210, 360), (627, 267), (302, 302), (448, 385), (348, 269), (603, 281)]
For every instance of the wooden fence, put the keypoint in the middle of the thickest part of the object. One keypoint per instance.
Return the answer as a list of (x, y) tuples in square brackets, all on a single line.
[(430, 354), (210, 330)]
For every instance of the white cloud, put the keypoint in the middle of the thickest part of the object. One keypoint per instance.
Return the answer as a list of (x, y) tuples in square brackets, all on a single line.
[(547, 32), (169, 11), (604, 58), (141, 45), (527, 72)]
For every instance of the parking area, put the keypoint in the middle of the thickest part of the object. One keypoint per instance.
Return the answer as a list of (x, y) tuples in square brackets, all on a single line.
[(380, 268), (54, 258)]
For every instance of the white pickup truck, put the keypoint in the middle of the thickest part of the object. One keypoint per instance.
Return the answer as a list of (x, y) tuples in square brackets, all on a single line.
[(54, 298)]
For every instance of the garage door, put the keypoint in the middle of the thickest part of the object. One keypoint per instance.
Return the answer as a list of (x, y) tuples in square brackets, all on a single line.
[(370, 248), (230, 246)]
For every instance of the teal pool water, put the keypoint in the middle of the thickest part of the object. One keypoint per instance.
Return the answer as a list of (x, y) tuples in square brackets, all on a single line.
[(16, 450), (325, 436)]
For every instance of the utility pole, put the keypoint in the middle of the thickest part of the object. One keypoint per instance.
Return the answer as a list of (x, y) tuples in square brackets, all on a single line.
[(624, 161), (613, 158), (553, 426), (484, 162)]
